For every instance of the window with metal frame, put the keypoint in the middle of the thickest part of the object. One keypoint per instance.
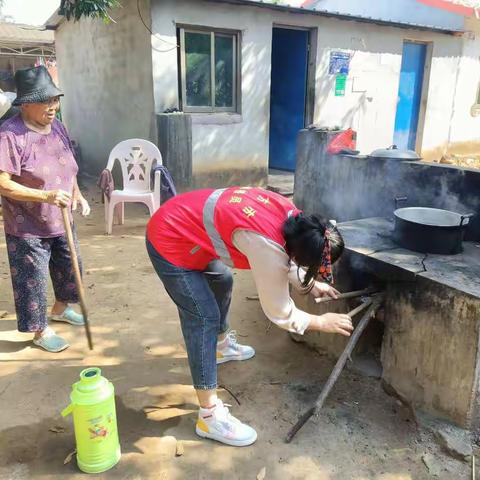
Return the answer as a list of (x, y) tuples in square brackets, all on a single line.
[(209, 70)]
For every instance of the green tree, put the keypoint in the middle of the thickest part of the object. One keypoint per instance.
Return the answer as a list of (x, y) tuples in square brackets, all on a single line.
[(76, 9)]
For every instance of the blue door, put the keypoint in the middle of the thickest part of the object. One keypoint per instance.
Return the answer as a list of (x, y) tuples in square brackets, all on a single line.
[(288, 95), (409, 95)]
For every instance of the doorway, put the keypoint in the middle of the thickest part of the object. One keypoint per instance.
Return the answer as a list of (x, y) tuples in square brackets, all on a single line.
[(410, 95), (288, 98)]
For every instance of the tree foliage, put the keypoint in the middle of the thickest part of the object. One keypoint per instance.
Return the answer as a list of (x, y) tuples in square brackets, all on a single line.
[(76, 9)]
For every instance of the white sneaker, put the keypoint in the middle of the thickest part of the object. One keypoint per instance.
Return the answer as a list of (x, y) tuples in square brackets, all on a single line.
[(219, 424), (229, 349)]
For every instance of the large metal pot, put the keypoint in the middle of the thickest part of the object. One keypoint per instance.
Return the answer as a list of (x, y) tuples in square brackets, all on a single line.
[(430, 230)]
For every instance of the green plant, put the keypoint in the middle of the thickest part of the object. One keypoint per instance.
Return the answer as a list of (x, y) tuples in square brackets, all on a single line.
[(77, 9)]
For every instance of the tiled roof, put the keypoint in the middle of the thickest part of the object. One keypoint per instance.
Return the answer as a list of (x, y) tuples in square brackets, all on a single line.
[(465, 3)]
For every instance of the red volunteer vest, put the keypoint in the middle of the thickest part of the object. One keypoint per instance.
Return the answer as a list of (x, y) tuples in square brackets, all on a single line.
[(192, 229)]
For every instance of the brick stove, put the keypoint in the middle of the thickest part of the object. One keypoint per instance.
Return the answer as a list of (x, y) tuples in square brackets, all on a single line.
[(429, 341), (430, 349)]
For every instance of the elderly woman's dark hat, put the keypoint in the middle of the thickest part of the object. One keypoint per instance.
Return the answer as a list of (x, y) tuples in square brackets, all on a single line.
[(34, 85)]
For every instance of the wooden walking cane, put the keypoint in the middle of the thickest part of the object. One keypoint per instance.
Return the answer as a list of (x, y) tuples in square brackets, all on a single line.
[(372, 306), (78, 276)]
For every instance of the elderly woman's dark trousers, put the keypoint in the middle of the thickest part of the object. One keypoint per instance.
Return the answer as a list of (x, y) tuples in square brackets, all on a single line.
[(31, 261)]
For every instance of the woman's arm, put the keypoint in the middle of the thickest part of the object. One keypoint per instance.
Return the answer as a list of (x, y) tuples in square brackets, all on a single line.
[(15, 191), (269, 265), (79, 198), (296, 276)]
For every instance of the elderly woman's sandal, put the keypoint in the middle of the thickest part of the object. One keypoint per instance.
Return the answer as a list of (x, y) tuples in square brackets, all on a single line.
[(70, 316), (51, 342)]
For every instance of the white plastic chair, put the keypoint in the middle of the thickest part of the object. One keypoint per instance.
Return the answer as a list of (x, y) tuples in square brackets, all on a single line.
[(137, 157)]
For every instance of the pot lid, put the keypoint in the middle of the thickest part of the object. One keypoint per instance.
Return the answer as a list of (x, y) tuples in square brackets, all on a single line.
[(395, 152)]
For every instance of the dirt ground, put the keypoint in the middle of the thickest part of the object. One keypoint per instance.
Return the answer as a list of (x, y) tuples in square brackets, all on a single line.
[(360, 434)]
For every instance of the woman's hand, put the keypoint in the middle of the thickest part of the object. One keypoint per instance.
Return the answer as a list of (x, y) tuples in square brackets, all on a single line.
[(60, 198), (332, 323), (84, 206), (79, 199), (321, 290)]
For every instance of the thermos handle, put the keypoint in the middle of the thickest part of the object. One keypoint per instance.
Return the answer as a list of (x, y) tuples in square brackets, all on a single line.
[(68, 410)]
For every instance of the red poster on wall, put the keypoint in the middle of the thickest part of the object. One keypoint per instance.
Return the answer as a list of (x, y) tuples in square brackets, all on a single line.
[(468, 8)]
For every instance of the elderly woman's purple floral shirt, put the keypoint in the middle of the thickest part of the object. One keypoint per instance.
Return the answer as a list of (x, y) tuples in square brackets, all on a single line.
[(43, 162)]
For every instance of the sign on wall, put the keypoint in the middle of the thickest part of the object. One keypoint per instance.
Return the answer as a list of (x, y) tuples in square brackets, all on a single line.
[(340, 84), (339, 63)]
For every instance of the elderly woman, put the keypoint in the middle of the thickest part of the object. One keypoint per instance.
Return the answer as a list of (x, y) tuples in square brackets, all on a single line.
[(38, 177)]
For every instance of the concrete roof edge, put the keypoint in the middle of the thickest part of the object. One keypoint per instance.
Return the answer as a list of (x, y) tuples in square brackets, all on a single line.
[(54, 21)]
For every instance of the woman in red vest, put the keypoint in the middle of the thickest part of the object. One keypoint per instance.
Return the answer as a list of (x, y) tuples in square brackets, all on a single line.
[(194, 238)]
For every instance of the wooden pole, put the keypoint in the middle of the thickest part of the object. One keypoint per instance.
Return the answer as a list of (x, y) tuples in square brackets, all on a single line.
[(360, 308), (373, 306), (78, 276), (343, 296)]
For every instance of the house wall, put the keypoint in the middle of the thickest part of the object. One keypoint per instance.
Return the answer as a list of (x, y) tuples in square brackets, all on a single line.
[(234, 148), (106, 74), (463, 136), (369, 105), (227, 149)]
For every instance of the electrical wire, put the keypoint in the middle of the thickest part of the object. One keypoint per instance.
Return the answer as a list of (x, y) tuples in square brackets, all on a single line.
[(154, 34)]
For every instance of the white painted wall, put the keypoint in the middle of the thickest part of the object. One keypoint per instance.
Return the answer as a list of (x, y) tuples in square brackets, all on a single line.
[(106, 74), (224, 149), (464, 134), (369, 105), (446, 60)]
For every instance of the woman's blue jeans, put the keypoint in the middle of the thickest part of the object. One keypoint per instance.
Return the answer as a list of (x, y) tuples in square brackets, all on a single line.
[(203, 300)]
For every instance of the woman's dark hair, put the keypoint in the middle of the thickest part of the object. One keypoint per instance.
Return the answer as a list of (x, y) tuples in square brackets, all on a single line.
[(305, 240)]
